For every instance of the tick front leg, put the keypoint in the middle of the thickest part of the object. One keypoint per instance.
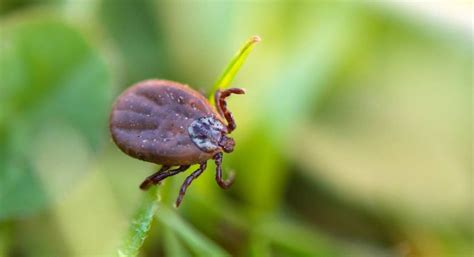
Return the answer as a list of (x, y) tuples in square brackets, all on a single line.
[(221, 105), (160, 175), (188, 182), (220, 181)]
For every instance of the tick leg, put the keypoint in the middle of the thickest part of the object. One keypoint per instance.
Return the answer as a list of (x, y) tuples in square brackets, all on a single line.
[(149, 180), (160, 175), (188, 181), (222, 183), (221, 105)]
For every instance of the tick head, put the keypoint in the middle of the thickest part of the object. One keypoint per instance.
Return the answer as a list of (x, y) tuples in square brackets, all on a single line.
[(208, 134)]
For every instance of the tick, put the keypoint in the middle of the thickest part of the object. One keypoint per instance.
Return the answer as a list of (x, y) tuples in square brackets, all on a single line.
[(170, 124)]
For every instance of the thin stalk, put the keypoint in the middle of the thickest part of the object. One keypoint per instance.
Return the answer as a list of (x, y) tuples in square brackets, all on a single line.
[(140, 225), (234, 66)]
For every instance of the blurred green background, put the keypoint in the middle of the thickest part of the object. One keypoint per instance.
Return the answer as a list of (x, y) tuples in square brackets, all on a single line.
[(354, 139)]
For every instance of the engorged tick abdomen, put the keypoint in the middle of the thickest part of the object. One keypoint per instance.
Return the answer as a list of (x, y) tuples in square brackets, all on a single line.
[(150, 120)]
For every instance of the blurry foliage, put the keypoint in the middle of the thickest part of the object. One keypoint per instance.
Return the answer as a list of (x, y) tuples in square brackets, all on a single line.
[(138, 38), (354, 137), (55, 93)]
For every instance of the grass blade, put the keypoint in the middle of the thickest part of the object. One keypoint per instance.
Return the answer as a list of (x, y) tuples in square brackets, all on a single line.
[(172, 244), (200, 244), (234, 65), (296, 238), (140, 224)]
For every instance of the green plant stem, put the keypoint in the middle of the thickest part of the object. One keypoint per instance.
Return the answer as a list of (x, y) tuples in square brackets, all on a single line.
[(234, 66), (140, 224)]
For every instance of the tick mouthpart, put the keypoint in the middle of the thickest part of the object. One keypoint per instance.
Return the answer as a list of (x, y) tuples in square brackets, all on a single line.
[(227, 144)]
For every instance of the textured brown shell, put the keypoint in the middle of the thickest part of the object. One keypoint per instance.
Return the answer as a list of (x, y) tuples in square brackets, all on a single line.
[(149, 121)]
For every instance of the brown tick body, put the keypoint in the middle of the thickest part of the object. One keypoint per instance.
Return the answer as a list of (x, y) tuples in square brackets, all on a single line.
[(168, 123)]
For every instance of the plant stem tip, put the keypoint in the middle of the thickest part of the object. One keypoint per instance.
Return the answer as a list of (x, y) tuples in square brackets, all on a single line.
[(256, 39)]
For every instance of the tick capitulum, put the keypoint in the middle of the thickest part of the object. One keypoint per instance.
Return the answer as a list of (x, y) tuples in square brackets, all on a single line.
[(168, 123)]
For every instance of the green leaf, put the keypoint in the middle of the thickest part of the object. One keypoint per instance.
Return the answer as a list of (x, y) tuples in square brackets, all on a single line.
[(54, 100), (140, 224), (234, 66)]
